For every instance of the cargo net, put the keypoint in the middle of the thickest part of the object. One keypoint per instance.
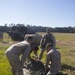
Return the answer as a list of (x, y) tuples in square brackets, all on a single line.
[(35, 67)]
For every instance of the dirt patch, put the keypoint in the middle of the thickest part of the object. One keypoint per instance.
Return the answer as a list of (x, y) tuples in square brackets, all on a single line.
[(66, 43)]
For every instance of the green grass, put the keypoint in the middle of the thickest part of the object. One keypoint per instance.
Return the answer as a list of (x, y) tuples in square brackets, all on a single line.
[(65, 44), (65, 36), (4, 65)]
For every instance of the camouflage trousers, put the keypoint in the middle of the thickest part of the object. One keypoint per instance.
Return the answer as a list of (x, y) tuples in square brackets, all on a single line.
[(16, 66)]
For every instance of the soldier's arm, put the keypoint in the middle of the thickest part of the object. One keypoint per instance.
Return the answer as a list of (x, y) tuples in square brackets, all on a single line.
[(26, 54), (47, 61), (54, 41)]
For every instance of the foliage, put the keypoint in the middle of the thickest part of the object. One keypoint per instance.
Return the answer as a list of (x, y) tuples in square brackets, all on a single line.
[(33, 28)]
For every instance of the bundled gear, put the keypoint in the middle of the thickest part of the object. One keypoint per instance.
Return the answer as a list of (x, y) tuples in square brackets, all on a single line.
[(35, 67)]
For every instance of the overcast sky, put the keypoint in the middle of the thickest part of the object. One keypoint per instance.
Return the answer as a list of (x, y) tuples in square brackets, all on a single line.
[(51, 13)]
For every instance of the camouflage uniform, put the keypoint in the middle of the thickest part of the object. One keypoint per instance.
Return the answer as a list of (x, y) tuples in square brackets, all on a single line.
[(36, 42), (23, 48), (54, 57), (46, 38)]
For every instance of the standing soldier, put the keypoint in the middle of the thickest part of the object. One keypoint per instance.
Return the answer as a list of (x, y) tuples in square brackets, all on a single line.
[(53, 60), (13, 54), (48, 37)]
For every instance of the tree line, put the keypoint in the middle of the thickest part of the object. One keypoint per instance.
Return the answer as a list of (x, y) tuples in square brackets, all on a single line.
[(33, 28)]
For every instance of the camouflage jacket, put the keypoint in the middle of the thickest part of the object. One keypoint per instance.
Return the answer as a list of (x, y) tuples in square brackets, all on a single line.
[(47, 38)]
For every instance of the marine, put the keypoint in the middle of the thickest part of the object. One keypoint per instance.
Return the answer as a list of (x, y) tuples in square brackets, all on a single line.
[(48, 37), (53, 60), (17, 55)]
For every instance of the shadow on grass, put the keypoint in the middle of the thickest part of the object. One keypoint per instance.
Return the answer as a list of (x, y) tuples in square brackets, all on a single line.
[(68, 67)]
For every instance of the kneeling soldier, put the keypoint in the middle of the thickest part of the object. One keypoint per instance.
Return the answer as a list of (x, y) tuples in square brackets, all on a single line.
[(54, 59)]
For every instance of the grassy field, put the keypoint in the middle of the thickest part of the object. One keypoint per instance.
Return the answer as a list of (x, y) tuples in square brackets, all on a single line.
[(65, 44)]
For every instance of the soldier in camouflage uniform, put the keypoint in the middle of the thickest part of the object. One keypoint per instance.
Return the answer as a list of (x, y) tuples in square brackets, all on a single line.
[(48, 37), (53, 60), (13, 54), (36, 42)]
